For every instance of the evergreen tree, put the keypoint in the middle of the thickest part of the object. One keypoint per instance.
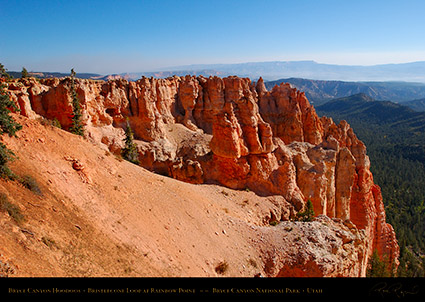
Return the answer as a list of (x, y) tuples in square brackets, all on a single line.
[(24, 73), (77, 127), (6, 155), (7, 125), (3, 73), (378, 267), (130, 150)]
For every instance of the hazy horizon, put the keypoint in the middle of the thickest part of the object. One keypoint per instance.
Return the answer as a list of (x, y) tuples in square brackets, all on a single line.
[(201, 65), (107, 37)]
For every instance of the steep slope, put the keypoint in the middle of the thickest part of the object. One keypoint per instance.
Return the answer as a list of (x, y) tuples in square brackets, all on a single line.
[(227, 131)]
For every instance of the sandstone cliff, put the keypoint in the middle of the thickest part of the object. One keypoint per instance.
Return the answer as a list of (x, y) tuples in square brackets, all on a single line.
[(235, 133)]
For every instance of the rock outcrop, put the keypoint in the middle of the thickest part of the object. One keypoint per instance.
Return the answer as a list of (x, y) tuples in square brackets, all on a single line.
[(233, 132)]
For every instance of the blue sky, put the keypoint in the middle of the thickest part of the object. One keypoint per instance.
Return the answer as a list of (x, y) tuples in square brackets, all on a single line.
[(130, 36)]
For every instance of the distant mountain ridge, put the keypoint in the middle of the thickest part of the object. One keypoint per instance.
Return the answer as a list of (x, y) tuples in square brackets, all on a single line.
[(44, 75), (320, 91), (273, 70), (411, 72)]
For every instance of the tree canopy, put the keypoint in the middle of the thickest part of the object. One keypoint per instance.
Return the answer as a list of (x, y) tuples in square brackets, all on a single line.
[(77, 127), (7, 125)]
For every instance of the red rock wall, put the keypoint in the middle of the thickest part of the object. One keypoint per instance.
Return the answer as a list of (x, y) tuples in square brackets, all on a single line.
[(232, 132)]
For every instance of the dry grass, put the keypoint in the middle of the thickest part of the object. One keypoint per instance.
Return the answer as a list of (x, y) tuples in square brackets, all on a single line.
[(13, 210), (31, 184)]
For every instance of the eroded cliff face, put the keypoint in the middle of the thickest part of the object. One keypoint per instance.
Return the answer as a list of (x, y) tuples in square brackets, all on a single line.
[(232, 132)]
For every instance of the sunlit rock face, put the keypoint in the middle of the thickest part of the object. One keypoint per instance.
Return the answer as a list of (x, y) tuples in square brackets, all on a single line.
[(233, 132)]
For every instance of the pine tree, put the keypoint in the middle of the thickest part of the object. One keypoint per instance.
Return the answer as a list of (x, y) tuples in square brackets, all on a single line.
[(3, 73), (378, 267), (130, 150), (77, 127), (6, 155), (7, 125), (24, 73)]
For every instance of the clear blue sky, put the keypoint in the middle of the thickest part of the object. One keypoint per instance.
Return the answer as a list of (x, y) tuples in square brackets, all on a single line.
[(128, 36)]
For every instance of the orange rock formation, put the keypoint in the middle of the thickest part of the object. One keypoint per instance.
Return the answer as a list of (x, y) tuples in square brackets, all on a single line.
[(233, 132)]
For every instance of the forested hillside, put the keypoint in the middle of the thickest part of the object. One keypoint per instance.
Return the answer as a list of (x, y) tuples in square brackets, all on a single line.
[(417, 105), (395, 140)]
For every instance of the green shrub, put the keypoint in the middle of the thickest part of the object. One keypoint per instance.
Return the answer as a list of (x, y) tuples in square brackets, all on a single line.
[(6, 155), (308, 214), (56, 123), (46, 122), (13, 210)]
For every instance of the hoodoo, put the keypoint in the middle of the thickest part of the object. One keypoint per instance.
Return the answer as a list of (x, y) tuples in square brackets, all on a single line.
[(235, 133)]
